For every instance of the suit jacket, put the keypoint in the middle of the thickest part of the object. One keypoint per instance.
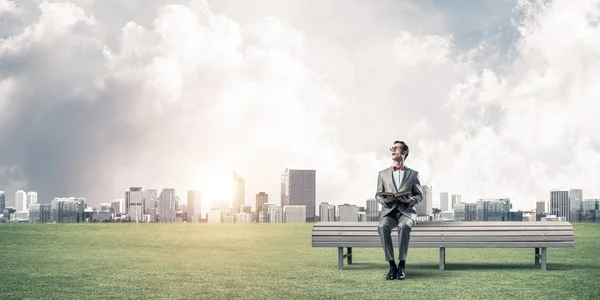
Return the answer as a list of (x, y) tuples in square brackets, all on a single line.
[(409, 182)]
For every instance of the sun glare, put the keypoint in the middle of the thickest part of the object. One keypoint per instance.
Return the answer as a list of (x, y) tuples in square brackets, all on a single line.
[(216, 185)]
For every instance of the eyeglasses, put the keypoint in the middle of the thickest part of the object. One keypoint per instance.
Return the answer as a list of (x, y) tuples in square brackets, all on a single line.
[(393, 149)]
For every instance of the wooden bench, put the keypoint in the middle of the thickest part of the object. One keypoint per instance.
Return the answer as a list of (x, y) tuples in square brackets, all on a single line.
[(538, 235)]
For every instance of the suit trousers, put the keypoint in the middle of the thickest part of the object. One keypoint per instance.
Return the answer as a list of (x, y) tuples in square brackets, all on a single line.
[(389, 222)]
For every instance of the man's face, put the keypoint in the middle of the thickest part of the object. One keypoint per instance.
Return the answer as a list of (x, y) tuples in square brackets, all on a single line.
[(397, 152)]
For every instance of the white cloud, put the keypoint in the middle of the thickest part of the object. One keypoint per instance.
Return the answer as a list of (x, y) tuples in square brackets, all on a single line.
[(175, 92)]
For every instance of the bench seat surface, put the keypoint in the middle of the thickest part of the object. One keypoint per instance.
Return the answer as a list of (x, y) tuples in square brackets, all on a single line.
[(449, 234)]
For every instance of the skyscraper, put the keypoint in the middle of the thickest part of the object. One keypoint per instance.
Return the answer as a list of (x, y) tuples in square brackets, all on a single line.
[(559, 204), (327, 212), (575, 198), (239, 192), (194, 200), (372, 212), (298, 187), (32, 198), (261, 199), (444, 202), (426, 205), (136, 209), (540, 207), (150, 200), (2, 201), (455, 199), (20, 201), (166, 206)]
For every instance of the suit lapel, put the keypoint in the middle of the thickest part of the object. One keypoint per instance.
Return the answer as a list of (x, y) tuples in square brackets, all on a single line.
[(407, 172)]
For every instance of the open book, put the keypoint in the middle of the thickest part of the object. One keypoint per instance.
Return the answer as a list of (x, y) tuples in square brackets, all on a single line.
[(393, 195), (399, 194)]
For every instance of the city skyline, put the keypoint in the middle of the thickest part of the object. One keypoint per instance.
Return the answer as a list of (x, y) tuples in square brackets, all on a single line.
[(493, 99)]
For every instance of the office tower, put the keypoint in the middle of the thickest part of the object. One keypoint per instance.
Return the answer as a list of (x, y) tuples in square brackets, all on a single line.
[(194, 200), (372, 212), (20, 201), (298, 187), (261, 199), (590, 210), (32, 198), (348, 213), (2, 201), (239, 192), (294, 214), (540, 207), (136, 209), (444, 202), (456, 199), (39, 213), (465, 211), (575, 198), (426, 205), (166, 206), (326, 212), (559, 204), (150, 201), (68, 210), (493, 209)]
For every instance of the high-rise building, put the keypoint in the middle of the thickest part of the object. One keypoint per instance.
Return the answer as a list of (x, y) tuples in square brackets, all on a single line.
[(2, 201), (32, 198), (68, 210), (136, 208), (166, 206), (20, 201), (239, 192), (456, 199), (444, 202), (298, 187), (39, 213), (465, 211), (540, 207), (372, 212), (150, 203), (194, 200), (559, 204), (590, 210), (348, 213), (426, 205), (493, 209), (575, 198), (294, 214), (261, 199), (326, 212)]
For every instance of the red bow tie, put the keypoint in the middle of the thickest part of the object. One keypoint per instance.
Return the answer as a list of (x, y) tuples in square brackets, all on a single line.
[(396, 168)]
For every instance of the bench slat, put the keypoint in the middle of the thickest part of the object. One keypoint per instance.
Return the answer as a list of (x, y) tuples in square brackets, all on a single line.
[(450, 224), (499, 239), (451, 244), (478, 228), (445, 233)]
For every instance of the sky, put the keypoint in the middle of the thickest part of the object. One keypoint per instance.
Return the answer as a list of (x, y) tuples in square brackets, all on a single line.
[(494, 98)]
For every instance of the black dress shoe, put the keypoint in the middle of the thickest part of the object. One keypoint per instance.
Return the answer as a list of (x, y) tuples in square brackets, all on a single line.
[(401, 274), (392, 273)]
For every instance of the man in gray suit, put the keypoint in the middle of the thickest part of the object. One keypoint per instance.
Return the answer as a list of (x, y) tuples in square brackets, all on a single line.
[(399, 211)]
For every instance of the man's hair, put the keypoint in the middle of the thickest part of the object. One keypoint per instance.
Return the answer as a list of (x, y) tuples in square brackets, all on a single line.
[(403, 146)]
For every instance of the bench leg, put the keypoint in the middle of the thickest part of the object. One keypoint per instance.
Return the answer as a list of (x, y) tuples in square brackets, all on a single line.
[(537, 256), (442, 258), (349, 255), (544, 259), (340, 258)]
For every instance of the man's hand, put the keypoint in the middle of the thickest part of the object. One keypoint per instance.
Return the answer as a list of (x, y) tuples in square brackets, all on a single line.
[(403, 199)]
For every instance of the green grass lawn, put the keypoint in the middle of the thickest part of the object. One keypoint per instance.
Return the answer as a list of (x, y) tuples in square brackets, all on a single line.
[(270, 261)]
